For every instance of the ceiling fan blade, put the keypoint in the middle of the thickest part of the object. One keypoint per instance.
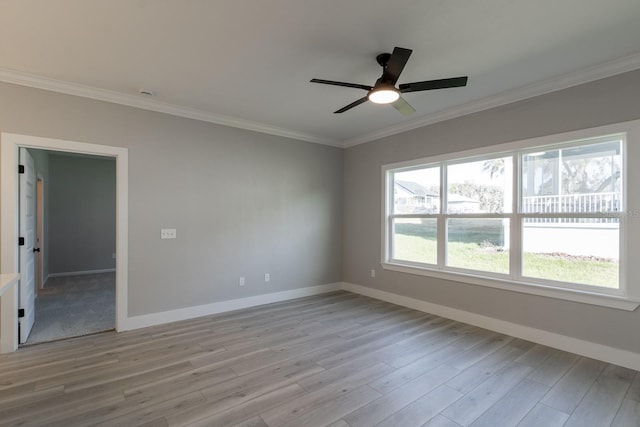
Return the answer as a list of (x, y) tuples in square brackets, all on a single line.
[(343, 84), (404, 107), (350, 106), (396, 64), (433, 84)]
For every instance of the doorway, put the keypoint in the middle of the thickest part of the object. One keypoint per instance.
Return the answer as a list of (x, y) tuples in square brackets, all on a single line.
[(9, 215), (77, 293)]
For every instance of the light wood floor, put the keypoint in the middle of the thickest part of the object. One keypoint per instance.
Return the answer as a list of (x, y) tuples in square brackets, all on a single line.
[(339, 359)]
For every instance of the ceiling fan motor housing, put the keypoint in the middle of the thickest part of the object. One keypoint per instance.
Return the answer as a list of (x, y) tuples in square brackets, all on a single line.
[(383, 83)]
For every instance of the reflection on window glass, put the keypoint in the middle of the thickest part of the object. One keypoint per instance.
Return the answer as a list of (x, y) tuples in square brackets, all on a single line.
[(417, 191), (478, 244), (574, 250), (415, 240), (583, 179), (483, 186)]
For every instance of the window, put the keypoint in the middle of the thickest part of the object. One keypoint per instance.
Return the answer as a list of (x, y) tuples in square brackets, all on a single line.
[(547, 216), (571, 203), (416, 201)]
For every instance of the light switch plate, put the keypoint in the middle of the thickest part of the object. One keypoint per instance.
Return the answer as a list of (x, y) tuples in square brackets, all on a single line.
[(168, 233)]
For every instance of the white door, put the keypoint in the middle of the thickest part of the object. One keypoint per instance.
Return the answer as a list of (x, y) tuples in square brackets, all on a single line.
[(28, 232)]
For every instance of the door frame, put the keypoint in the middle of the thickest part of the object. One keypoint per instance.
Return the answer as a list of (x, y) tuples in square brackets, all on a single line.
[(9, 147), (40, 233)]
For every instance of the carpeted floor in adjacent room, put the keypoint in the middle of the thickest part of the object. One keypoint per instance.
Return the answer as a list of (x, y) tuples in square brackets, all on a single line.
[(73, 306)]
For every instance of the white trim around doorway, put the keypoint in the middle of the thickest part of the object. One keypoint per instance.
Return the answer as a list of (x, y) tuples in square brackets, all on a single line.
[(9, 145)]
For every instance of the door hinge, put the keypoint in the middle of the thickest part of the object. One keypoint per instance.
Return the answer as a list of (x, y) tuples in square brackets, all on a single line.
[(20, 241), (20, 168), (21, 312)]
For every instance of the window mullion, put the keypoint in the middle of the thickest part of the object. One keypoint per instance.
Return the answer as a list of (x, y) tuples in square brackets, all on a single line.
[(442, 220), (389, 237), (515, 249), (442, 236), (515, 235)]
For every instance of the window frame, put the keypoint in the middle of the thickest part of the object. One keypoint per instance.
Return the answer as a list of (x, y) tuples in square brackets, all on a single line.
[(626, 297)]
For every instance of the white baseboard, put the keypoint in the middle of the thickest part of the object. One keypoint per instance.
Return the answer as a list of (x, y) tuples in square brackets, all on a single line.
[(79, 273), (590, 349), (223, 306)]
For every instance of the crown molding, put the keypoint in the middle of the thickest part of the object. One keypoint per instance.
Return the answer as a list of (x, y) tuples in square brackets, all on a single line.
[(39, 82), (586, 75)]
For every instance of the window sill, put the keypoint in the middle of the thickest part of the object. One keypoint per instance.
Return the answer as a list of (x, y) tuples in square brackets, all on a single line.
[(604, 300)]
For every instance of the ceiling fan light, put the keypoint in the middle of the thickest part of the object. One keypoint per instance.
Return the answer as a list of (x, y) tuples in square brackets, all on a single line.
[(384, 96)]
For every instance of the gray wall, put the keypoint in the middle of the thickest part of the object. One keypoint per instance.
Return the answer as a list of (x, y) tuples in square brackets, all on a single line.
[(243, 203), (607, 101), (82, 213)]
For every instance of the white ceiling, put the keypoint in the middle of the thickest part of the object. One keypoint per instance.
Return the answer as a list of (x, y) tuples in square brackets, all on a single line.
[(248, 63)]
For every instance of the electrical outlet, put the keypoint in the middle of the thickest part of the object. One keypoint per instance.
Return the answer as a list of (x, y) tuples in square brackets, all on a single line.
[(267, 277), (168, 233), (373, 273), (241, 281), (113, 255)]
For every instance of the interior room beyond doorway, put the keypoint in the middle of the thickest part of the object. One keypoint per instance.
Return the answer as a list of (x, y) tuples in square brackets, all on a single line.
[(76, 240)]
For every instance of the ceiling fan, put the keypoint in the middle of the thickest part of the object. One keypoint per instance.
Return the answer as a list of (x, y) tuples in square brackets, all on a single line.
[(385, 92)]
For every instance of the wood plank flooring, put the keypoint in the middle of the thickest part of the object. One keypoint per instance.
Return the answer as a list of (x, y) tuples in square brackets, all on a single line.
[(339, 360)]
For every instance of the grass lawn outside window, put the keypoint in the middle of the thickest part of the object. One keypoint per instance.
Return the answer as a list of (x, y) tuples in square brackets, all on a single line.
[(416, 244)]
